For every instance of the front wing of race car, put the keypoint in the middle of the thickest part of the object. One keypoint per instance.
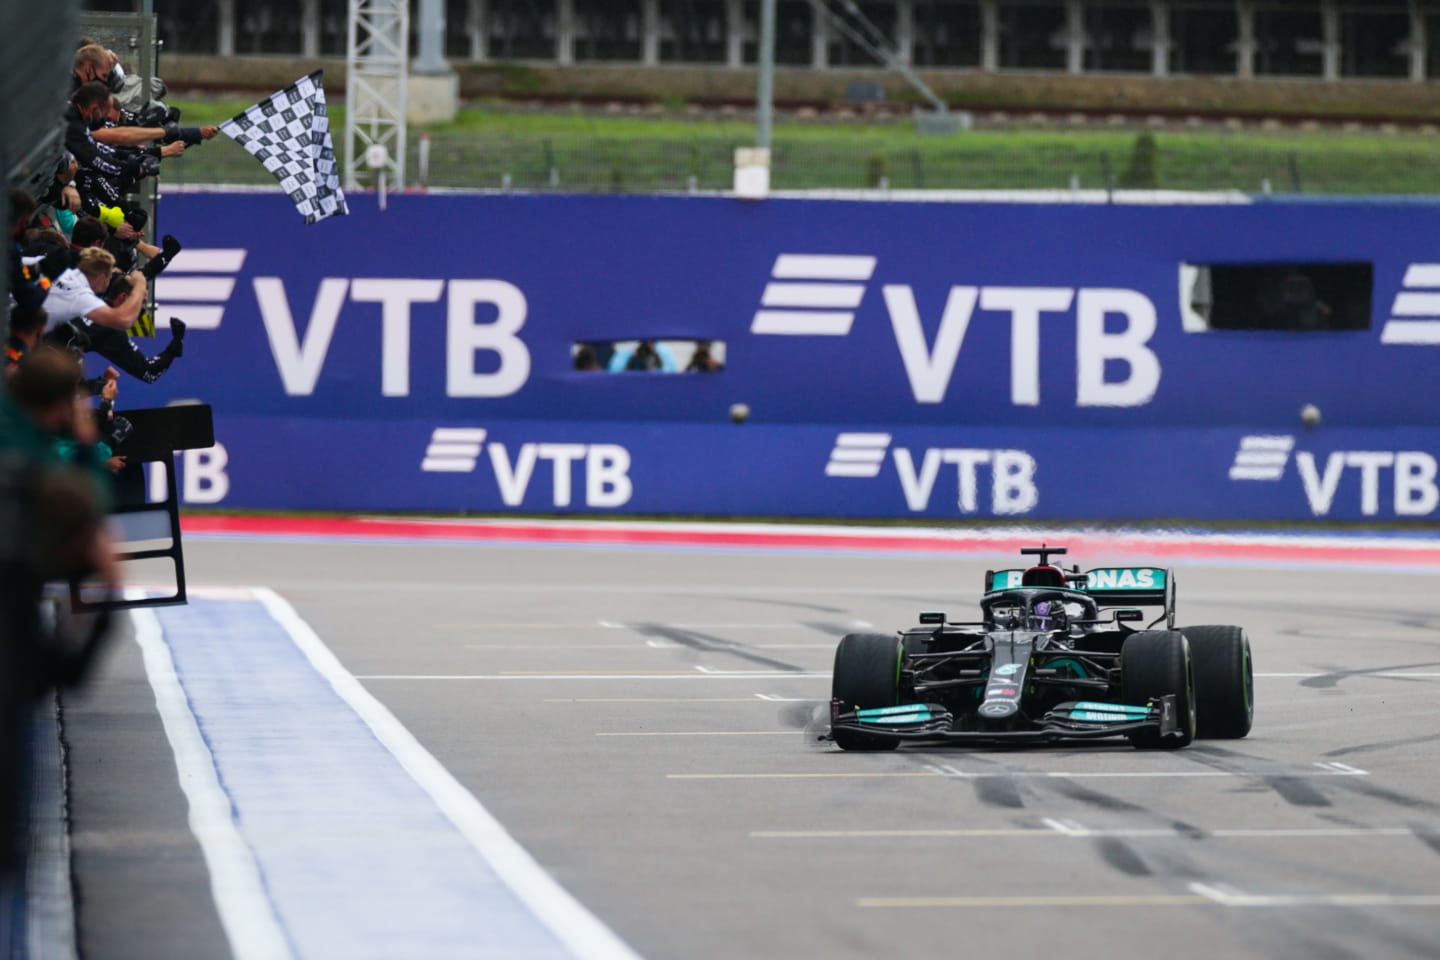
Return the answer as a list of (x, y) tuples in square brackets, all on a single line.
[(1081, 720)]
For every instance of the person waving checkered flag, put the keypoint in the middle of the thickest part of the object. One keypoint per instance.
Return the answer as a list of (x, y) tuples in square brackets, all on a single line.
[(290, 134)]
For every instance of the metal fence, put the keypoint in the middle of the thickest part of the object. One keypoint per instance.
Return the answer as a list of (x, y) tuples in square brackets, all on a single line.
[(704, 163)]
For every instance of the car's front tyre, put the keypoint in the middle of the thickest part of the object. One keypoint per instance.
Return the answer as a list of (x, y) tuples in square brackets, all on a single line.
[(1155, 664), (1224, 681), (867, 675)]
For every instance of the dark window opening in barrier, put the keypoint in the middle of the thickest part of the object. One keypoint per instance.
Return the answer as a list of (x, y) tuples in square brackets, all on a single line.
[(1276, 296), (648, 356)]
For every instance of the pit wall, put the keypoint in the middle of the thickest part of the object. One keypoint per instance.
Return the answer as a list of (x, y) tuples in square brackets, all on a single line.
[(925, 360)]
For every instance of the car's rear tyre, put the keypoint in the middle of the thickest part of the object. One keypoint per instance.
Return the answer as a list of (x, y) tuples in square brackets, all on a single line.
[(1224, 681), (867, 675), (1154, 664)]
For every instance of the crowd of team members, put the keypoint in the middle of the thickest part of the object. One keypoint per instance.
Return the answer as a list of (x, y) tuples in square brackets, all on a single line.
[(80, 272), (81, 266)]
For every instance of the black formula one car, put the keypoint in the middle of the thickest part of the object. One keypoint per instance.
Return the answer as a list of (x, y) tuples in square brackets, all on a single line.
[(1057, 655)]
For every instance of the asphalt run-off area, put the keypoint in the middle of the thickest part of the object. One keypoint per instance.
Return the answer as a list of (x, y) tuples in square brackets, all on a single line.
[(388, 738)]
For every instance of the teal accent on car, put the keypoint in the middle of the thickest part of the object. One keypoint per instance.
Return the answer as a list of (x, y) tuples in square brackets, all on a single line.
[(1112, 708), (1095, 716), (1124, 578), (887, 711), (1078, 667), (912, 713)]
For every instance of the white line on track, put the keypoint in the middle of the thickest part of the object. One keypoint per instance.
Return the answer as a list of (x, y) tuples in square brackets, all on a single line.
[(1342, 769), (700, 675), (244, 907), (581, 932), (565, 646), (941, 773), (1121, 900), (1200, 894), (710, 673), (1388, 675), (650, 699), (701, 733), (1228, 896), (1068, 828)]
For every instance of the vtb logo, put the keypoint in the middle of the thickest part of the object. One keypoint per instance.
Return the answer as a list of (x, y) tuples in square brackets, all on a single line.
[(1415, 314), (814, 295), (196, 286), (1012, 472), (482, 316), (604, 467), (1411, 474)]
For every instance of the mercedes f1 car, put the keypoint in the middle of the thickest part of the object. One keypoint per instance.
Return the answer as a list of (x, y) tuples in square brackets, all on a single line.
[(1057, 655)]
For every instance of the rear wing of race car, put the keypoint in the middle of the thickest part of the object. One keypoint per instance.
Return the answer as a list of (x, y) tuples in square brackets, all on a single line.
[(1109, 586)]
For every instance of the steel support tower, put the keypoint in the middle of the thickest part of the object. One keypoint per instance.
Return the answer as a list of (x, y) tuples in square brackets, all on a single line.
[(376, 61)]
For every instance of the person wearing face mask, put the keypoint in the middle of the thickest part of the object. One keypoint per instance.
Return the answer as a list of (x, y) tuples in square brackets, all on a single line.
[(94, 62), (108, 172)]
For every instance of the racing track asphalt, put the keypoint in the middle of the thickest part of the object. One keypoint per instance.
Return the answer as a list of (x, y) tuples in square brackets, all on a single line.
[(642, 721)]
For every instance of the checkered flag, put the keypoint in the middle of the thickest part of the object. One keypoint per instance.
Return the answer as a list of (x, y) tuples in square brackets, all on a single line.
[(290, 134)]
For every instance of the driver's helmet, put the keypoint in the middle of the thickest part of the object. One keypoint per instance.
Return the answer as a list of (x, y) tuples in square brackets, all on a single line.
[(1048, 615)]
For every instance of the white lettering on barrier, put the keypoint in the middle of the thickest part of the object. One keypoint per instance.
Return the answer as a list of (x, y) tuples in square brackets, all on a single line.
[(300, 361), (1095, 346), (1012, 478), (561, 456), (606, 465), (931, 367), (607, 476), (202, 476), (1414, 492), (467, 338), (395, 298), (1025, 304)]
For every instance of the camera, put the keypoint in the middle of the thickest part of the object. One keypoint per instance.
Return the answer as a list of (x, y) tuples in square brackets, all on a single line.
[(119, 430), (156, 114), (69, 337)]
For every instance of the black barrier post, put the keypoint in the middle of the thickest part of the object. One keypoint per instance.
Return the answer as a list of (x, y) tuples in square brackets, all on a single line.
[(155, 435)]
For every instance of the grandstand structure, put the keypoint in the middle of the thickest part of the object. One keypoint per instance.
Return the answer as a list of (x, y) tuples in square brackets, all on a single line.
[(1319, 39)]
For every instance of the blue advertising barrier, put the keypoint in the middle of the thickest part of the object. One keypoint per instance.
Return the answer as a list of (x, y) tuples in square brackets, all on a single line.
[(938, 360)]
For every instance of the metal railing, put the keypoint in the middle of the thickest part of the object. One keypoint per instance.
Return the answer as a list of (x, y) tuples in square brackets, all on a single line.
[(704, 163)]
